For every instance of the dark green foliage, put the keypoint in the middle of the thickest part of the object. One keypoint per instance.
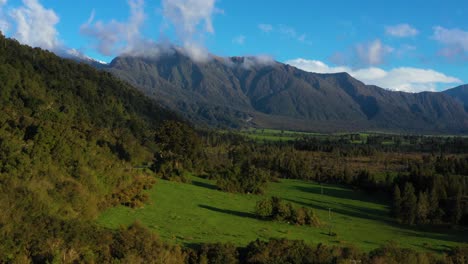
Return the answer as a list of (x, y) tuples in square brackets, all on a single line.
[(177, 148), (216, 254), (137, 244), (264, 208), (423, 208), (69, 138), (458, 255), (132, 195), (392, 254), (276, 209), (244, 179), (408, 204), (279, 251), (396, 208)]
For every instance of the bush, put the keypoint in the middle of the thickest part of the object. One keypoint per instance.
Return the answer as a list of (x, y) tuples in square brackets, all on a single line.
[(275, 208), (264, 208)]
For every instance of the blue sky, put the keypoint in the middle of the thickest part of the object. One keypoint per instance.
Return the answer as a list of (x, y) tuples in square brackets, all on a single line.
[(400, 45)]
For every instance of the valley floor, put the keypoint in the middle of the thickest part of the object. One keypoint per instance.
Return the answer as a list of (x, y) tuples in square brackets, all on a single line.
[(198, 213)]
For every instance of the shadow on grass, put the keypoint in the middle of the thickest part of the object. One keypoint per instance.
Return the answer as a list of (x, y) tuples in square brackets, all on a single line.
[(343, 193), (205, 185), (436, 233), (227, 211)]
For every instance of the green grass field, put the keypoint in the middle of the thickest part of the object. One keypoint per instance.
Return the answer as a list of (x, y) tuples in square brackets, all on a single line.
[(197, 212), (289, 135)]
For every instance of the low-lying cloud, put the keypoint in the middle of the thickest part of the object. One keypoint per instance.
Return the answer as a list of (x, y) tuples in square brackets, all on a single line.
[(191, 19), (117, 37), (406, 79)]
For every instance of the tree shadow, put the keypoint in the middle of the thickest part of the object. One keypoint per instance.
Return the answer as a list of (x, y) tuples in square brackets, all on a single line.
[(343, 193), (205, 185), (353, 211), (445, 234), (230, 212)]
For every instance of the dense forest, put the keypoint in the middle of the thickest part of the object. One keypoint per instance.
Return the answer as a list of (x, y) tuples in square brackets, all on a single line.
[(69, 138), (75, 141)]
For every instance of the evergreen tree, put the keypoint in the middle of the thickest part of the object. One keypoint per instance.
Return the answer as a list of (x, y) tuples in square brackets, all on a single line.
[(397, 201), (423, 208), (435, 213), (409, 204), (456, 206)]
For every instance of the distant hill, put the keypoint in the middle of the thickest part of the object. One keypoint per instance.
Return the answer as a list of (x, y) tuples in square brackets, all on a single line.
[(251, 91)]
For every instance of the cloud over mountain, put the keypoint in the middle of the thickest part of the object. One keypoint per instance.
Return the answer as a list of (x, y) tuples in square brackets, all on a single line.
[(191, 19), (117, 37), (406, 79)]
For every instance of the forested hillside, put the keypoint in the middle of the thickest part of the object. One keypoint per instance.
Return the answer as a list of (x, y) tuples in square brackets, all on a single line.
[(69, 138)]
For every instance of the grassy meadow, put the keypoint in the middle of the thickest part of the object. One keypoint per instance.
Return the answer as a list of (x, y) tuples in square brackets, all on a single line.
[(198, 213)]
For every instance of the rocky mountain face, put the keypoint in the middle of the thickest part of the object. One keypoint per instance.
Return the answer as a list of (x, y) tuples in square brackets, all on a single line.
[(254, 91)]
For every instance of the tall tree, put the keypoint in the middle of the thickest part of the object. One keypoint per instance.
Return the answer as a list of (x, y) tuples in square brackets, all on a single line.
[(423, 208), (397, 202), (456, 208), (409, 204)]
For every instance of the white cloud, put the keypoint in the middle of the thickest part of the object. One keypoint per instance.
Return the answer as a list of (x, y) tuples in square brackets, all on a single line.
[(33, 25), (406, 79), (285, 31), (372, 53), (455, 36), (267, 28), (240, 40), (115, 37), (315, 66), (4, 24), (401, 31), (364, 54), (191, 19), (455, 42), (187, 15)]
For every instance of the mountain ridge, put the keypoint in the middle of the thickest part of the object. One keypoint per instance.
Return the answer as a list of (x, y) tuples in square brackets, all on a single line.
[(229, 91)]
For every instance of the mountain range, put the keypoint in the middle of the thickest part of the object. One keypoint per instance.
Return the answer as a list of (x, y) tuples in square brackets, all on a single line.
[(260, 92)]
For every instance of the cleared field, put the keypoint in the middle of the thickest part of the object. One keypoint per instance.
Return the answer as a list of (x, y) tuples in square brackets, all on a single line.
[(197, 212)]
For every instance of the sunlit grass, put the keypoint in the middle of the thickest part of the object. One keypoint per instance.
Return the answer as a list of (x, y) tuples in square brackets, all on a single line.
[(197, 213)]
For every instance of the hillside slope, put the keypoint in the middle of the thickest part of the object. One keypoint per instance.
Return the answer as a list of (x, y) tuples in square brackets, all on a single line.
[(243, 91), (69, 138)]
